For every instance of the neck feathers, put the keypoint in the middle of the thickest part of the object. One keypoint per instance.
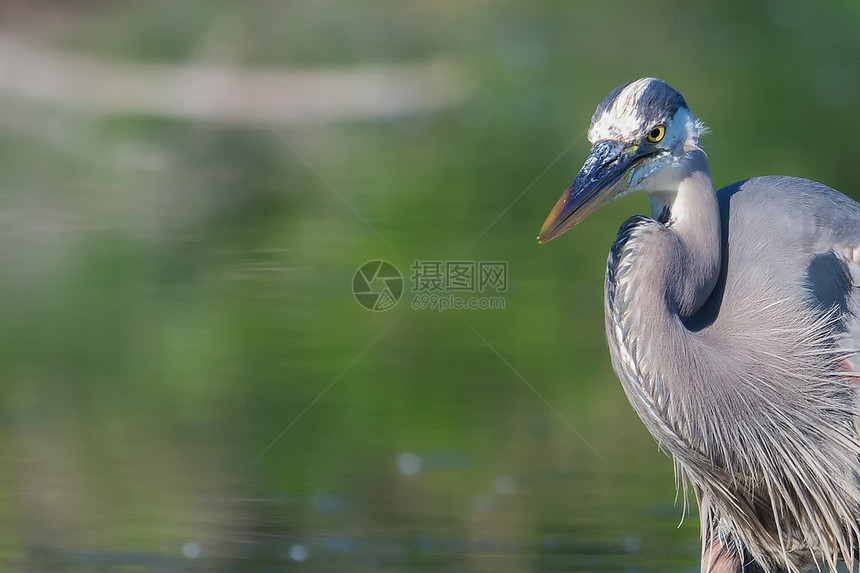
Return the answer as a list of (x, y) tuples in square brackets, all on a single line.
[(688, 207)]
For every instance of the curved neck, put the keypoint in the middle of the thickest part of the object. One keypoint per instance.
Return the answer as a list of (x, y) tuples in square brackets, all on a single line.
[(688, 207), (659, 273)]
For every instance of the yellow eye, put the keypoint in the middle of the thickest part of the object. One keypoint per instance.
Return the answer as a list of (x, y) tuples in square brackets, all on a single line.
[(656, 134)]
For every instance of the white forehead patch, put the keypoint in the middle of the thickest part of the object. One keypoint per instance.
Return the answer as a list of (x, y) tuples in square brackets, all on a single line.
[(621, 120)]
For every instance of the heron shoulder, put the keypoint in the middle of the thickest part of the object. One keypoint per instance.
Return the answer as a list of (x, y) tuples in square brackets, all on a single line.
[(792, 207)]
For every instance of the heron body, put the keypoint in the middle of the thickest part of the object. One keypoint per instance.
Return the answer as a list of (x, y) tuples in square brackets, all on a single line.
[(732, 321)]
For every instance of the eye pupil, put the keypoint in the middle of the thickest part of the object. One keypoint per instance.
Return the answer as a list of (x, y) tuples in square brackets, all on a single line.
[(656, 134)]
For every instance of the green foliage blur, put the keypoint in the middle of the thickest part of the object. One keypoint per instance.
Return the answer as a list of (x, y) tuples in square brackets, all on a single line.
[(187, 376)]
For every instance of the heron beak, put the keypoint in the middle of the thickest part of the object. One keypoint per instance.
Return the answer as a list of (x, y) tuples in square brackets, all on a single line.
[(595, 185)]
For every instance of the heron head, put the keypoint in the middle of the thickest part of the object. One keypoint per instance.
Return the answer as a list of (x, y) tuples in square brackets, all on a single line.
[(638, 135)]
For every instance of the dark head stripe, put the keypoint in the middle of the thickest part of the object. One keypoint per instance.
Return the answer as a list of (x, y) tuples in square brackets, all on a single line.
[(660, 100)]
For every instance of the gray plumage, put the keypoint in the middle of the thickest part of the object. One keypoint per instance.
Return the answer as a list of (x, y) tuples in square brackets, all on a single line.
[(732, 321)]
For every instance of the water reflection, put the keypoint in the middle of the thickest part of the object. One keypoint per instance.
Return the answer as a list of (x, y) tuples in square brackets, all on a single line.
[(408, 463)]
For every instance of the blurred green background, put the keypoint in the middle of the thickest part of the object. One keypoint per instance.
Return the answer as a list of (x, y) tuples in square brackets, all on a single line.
[(186, 192)]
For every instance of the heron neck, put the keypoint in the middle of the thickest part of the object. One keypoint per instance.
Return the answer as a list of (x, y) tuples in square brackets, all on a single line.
[(660, 272), (689, 209), (654, 281)]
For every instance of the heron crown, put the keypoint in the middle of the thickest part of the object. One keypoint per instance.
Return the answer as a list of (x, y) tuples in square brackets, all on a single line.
[(632, 111)]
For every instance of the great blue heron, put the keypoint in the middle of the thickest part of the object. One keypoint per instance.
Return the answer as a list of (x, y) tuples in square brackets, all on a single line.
[(733, 324)]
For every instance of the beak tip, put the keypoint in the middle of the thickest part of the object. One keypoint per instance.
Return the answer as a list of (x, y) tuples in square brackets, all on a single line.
[(545, 236), (593, 186)]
